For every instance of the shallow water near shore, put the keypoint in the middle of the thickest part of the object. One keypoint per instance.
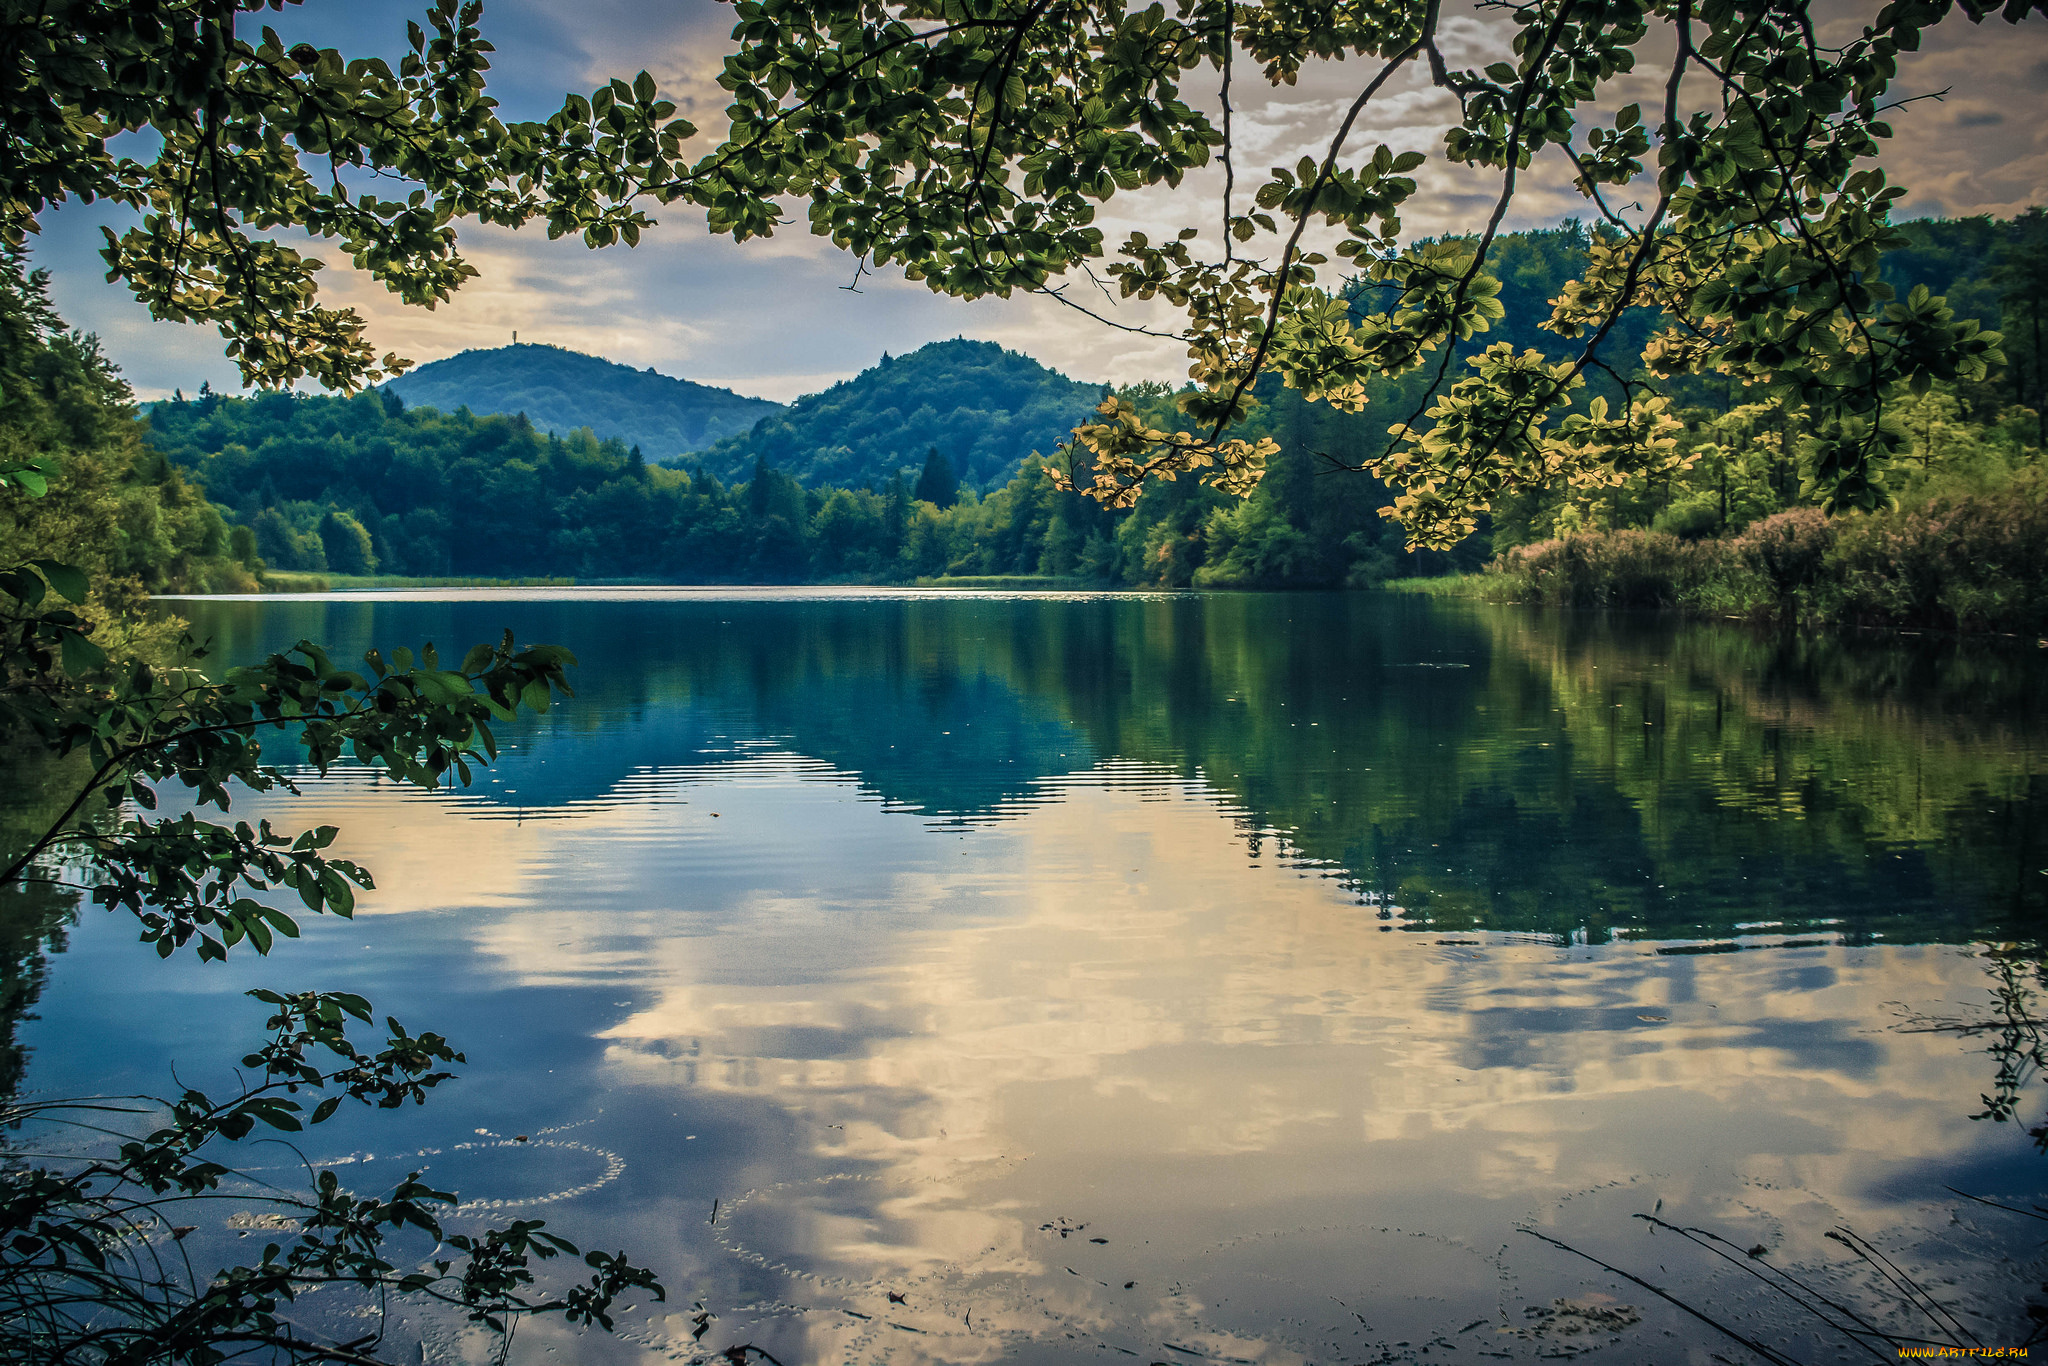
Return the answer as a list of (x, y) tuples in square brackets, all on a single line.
[(990, 977)]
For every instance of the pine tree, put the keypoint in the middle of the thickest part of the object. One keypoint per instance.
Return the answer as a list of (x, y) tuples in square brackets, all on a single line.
[(895, 514), (938, 485)]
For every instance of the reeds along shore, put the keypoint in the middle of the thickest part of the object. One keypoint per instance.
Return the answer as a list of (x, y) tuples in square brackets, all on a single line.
[(1974, 561)]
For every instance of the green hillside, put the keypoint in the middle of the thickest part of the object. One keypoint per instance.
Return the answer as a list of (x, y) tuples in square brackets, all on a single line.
[(983, 407), (839, 487), (561, 390)]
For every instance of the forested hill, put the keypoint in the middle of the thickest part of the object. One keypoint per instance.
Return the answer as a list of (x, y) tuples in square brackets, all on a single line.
[(561, 390), (982, 407), (837, 487)]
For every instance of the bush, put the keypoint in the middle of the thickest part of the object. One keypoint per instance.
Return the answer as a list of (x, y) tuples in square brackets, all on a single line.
[(1612, 569), (1786, 550), (1971, 561), (1974, 561), (1691, 519)]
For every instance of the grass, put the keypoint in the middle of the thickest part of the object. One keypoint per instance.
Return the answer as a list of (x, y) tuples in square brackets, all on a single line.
[(289, 581), (1444, 586), (1011, 581)]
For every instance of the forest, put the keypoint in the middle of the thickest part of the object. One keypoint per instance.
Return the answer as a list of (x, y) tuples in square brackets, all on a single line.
[(125, 514), (366, 485), (986, 407), (561, 390)]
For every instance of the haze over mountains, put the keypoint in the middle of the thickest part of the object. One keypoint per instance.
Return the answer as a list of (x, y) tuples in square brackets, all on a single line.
[(561, 390)]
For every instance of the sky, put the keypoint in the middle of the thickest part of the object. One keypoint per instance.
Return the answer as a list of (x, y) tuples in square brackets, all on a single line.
[(775, 317)]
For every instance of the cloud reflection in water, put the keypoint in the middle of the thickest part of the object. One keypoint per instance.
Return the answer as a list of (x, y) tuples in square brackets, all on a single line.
[(1298, 1132)]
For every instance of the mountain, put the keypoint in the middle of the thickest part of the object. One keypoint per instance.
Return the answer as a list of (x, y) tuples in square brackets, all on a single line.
[(560, 390), (982, 406)]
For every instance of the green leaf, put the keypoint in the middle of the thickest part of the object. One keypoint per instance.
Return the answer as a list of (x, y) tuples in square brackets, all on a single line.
[(66, 579), (279, 921), (81, 656), (23, 587), (341, 898)]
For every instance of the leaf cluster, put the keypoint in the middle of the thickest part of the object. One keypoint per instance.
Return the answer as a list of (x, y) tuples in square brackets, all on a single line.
[(253, 135), (189, 880), (93, 1266), (971, 143)]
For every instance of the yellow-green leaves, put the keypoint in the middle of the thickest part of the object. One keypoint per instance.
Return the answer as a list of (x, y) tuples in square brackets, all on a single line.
[(973, 144), (1124, 452)]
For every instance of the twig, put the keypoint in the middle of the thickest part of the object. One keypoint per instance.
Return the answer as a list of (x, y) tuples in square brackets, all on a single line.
[(1768, 1353)]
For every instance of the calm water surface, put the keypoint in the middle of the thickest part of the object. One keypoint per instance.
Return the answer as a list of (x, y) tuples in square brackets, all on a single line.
[(1169, 979)]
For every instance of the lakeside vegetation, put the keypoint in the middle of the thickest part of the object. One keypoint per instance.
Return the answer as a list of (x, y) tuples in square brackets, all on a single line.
[(285, 581), (367, 491), (1954, 559), (113, 507)]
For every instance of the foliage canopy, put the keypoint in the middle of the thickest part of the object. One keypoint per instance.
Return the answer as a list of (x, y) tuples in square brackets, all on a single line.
[(105, 711), (973, 146)]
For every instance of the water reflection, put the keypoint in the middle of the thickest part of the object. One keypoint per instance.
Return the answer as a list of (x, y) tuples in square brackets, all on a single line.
[(1023, 981), (1475, 766)]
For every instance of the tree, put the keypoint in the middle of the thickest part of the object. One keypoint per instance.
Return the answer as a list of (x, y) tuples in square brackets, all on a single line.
[(253, 137), (347, 544), (973, 149), (2022, 272), (105, 708), (896, 514), (937, 484)]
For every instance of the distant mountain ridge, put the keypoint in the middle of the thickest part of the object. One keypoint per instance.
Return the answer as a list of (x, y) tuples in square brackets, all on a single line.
[(560, 390), (983, 407)]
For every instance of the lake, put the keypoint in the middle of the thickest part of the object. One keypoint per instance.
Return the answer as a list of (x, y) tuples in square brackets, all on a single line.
[(1043, 978)]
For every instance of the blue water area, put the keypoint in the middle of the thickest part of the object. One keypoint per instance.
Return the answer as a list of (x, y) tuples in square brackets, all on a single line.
[(1220, 977)]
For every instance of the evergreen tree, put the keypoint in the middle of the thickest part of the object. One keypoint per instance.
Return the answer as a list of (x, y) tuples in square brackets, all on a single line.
[(759, 488), (938, 485), (2022, 273), (896, 514)]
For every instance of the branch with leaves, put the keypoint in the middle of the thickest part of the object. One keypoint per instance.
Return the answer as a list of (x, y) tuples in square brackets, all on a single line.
[(976, 153), (974, 148), (93, 1262), (254, 135)]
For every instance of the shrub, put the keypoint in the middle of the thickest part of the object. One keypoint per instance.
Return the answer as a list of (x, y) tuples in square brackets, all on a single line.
[(1786, 550), (1963, 560), (1691, 519), (1970, 561), (1612, 569)]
